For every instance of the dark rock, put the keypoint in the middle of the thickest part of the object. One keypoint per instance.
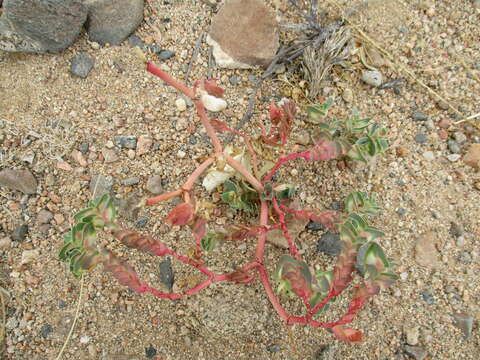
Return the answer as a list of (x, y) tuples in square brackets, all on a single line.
[(112, 21), (126, 142), (421, 138), (401, 211), (131, 181), (455, 229), (465, 323), (134, 40), (166, 54), (100, 185), (81, 65), (167, 276), (20, 233), (329, 244), (234, 80), (141, 222), (428, 297), (156, 49), (245, 31), (20, 180), (129, 207), (416, 352), (192, 140), (84, 147), (46, 330), (273, 348), (62, 304), (313, 226), (419, 116), (337, 205), (41, 26), (150, 352)]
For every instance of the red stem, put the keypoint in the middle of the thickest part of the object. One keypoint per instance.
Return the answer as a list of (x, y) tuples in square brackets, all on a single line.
[(284, 160), (281, 218)]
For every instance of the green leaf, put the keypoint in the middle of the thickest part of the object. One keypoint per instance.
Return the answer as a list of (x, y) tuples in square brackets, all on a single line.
[(88, 212), (318, 112), (212, 241)]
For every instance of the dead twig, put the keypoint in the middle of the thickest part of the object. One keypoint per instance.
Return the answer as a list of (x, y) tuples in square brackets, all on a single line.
[(196, 51)]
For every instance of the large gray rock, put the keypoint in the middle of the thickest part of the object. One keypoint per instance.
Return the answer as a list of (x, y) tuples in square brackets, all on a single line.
[(40, 26), (112, 21), (244, 34)]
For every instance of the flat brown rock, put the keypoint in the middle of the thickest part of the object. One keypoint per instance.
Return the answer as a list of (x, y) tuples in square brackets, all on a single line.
[(425, 252), (21, 180), (245, 31), (472, 157)]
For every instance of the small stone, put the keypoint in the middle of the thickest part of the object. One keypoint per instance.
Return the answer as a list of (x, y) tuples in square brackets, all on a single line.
[(126, 142), (314, 226), (234, 80), (412, 334), (109, 144), (131, 181), (5, 243), (402, 151), (63, 165), (465, 257), (347, 95), (44, 217), (419, 116), (416, 352), (460, 241), (134, 40), (131, 154), (421, 138), (443, 105), (144, 144), (444, 123), (20, 233), (81, 65), (78, 157), (453, 146), (28, 158), (59, 219), (181, 154), (167, 276), (401, 211), (273, 348), (429, 125), (428, 298), (84, 339), (181, 104), (464, 322), (472, 157), (100, 185), (46, 330), (460, 137), (429, 155), (329, 243), (477, 185), (373, 78), (156, 49), (20, 180), (455, 230), (150, 352), (426, 253), (28, 256), (142, 221), (443, 134), (109, 155), (154, 185), (166, 54), (454, 157)]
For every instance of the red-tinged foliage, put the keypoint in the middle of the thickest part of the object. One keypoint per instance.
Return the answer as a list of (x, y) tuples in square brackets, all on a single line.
[(141, 242), (328, 219), (212, 88), (241, 277), (324, 150), (347, 334), (282, 120), (124, 273), (181, 215), (275, 114), (220, 126), (342, 272), (199, 229)]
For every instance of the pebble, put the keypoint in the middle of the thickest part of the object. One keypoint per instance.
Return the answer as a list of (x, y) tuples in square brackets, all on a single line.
[(126, 142), (453, 146), (167, 276), (100, 185), (142, 221), (453, 157), (464, 322), (443, 134), (273, 348), (412, 334), (181, 154), (83, 147), (20, 233), (314, 226), (428, 298), (455, 229), (416, 352), (44, 217), (181, 104), (429, 155), (5, 243), (20, 180), (28, 256), (144, 144), (131, 154), (421, 138), (81, 65), (347, 95), (374, 78), (59, 218), (426, 253), (134, 40), (109, 155), (234, 80), (329, 243), (46, 330), (460, 137), (150, 352), (401, 211), (131, 181), (472, 157), (444, 123), (429, 125), (460, 241), (166, 54), (419, 116), (154, 185)]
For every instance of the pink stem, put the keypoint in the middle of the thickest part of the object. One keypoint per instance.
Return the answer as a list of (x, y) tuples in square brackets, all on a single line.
[(169, 80), (284, 160), (208, 126), (198, 171), (281, 217), (163, 197), (244, 172), (192, 262)]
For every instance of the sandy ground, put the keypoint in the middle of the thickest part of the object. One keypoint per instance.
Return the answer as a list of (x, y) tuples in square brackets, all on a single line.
[(420, 193)]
